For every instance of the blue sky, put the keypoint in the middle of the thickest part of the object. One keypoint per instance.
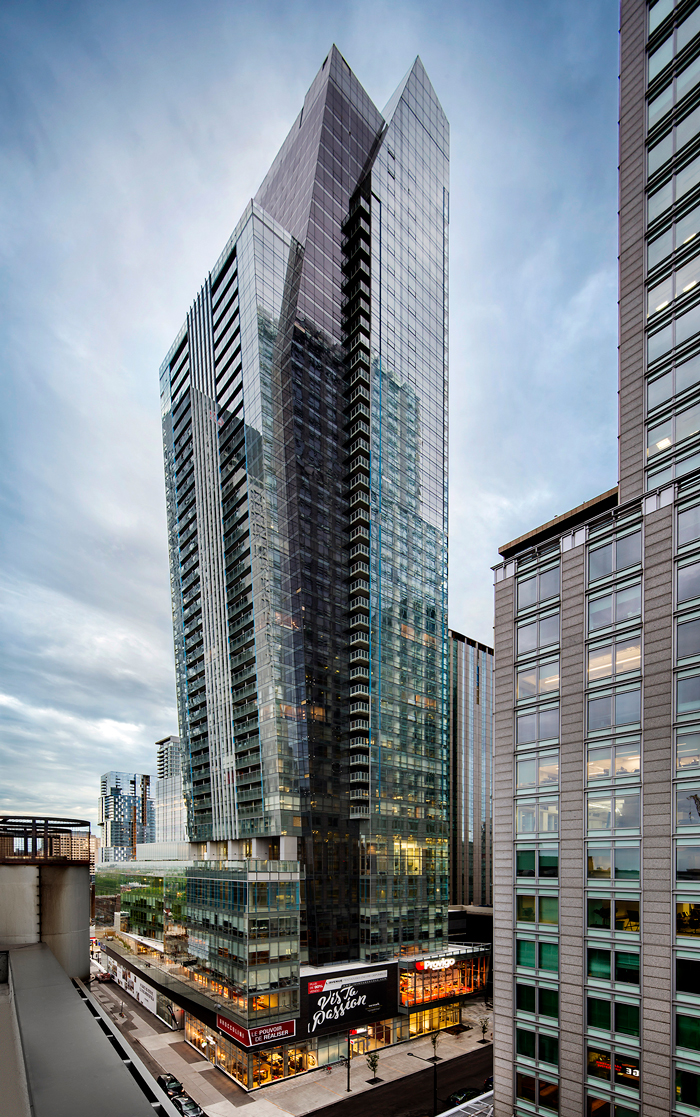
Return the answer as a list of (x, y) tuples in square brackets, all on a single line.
[(131, 137)]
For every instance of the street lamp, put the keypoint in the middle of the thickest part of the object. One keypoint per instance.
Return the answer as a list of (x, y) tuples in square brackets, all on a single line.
[(434, 1062)]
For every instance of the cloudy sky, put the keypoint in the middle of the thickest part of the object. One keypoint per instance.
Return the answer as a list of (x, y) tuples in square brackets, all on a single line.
[(132, 136)]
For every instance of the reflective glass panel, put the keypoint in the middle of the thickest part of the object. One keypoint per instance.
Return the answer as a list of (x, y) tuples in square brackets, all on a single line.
[(627, 760), (688, 919), (549, 584), (600, 813), (627, 862), (688, 639), (549, 769), (599, 763), (600, 612), (548, 953), (627, 810), (688, 861), (687, 751), (627, 707), (599, 913), (549, 816), (688, 805), (628, 603), (598, 1013), (627, 967), (627, 915), (549, 862), (598, 1064), (527, 593), (525, 862), (549, 677), (689, 525), (525, 909), (525, 953), (627, 1018), (599, 663), (526, 816), (689, 694), (689, 582), (549, 909), (599, 963), (526, 773), (600, 562), (628, 656), (599, 864)]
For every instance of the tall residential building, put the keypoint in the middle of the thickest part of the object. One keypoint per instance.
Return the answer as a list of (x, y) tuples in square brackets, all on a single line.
[(470, 686), (304, 418), (597, 681), (304, 408), (126, 814), (171, 812)]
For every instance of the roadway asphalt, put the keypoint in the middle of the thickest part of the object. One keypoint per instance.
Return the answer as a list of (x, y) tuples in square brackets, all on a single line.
[(413, 1097)]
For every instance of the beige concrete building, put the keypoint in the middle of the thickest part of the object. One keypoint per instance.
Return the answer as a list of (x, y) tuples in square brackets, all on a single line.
[(597, 678)]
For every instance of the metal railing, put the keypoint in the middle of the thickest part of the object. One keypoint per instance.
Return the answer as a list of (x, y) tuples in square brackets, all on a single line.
[(28, 839)]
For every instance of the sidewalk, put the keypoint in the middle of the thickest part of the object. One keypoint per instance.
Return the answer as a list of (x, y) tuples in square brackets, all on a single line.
[(220, 1096)]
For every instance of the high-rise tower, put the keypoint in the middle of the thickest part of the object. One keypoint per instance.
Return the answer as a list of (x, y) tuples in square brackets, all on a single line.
[(597, 730), (305, 428)]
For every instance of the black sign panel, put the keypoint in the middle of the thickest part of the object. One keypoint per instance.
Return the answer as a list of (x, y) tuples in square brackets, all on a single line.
[(341, 1000)]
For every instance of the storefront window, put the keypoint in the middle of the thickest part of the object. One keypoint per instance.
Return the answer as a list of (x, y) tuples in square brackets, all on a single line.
[(433, 1019), (420, 986)]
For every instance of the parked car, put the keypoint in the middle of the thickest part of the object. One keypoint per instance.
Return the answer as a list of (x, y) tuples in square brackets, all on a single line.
[(104, 976), (466, 1094), (488, 1083), (187, 1106), (170, 1085)]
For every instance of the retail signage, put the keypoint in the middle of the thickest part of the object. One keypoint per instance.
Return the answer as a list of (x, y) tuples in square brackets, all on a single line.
[(435, 964), (252, 1037), (144, 994), (335, 1002)]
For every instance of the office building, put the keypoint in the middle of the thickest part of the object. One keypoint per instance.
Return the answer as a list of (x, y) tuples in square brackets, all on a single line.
[(170, 808), (470, 688), (126, 814), (597, 677), (304, 422)]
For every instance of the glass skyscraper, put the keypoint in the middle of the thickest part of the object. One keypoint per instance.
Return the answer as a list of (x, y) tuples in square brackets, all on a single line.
[(126, 814), (304, 407), (471, 770)]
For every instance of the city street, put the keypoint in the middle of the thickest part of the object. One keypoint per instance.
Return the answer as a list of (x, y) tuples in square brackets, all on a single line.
[(413, 1096), (406, 1090)]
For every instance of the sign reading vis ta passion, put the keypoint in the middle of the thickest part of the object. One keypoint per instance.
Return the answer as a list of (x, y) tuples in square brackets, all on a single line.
[(335, 1002)]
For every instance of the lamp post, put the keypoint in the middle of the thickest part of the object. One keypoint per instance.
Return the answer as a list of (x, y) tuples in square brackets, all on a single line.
[(434, 1062), (348, 1085)]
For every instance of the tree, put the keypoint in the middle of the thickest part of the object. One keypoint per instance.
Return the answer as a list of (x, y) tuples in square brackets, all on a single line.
[(484, 1023), (435, 1040), (373, 1062)]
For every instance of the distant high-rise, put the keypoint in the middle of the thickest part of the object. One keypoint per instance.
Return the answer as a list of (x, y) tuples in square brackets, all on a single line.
[(305, 428), (171, 812), (471, 744), (597, 681), (126, 814)]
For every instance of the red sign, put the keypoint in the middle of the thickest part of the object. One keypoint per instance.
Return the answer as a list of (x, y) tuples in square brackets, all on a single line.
[(266, 1033)]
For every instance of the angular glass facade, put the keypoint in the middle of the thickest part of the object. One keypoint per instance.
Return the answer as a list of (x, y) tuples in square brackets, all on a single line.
[(305, 435)]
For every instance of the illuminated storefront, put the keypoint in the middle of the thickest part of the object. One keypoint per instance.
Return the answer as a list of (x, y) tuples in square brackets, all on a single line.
[(437, 979)]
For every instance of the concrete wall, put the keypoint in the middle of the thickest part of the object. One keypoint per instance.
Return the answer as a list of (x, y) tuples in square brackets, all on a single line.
[(51, 904)]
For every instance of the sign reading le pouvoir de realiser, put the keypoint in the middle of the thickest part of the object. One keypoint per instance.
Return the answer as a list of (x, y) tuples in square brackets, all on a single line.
[(346, 999)]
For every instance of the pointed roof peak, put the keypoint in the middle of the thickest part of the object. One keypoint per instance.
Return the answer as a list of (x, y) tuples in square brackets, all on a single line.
[(418, 72)]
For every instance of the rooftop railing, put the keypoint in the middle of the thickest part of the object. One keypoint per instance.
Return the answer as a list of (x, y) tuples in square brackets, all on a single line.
[(32, 840)]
